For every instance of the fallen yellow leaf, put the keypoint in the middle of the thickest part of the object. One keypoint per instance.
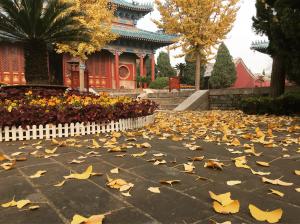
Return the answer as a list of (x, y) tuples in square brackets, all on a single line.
[(49, 151), (9, 204), (95, 219), (276, 182), (224, 199), (8, 165), (261, 163), (127, 194), (214, 164), (188, 167), (260, 173), (235, 142), (297, 172), (170, 182), (146, 145), (82, 176), (159, 162), (38, 174), (60, 184), (231, 208), (139, 154), (278, 193), (75, 161), (115, 170), (270, 217), (154, 190), (233, 182), (22, 203)]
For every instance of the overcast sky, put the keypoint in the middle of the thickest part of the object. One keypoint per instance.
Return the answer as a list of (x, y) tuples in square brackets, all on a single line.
[(238, 40)]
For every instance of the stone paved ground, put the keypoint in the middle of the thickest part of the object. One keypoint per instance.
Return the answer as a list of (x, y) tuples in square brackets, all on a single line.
[(185, 202)]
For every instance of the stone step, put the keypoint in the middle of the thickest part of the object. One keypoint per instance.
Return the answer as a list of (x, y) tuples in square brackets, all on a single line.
[(170, 94), (165, 101)]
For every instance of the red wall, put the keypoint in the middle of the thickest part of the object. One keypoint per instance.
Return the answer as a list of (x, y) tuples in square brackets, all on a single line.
[(244, 78)]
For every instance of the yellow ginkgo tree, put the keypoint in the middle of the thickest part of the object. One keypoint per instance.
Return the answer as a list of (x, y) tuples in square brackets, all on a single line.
[(200, 24), (98, 18)]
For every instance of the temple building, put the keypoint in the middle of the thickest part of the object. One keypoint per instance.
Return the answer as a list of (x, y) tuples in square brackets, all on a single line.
[(114, 67)]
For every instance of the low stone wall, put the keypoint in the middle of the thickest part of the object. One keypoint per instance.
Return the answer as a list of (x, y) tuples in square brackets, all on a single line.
[(229, 99)]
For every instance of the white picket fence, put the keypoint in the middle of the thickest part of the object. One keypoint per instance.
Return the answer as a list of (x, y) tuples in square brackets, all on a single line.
[(65, 130)]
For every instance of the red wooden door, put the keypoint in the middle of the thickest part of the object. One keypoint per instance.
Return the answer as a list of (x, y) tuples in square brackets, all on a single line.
[(75, 79), (11, 64)]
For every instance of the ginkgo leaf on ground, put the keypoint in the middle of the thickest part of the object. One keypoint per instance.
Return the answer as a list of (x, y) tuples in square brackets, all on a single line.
[(269, 216), (232, 208), (197, 158), (3, 157), (60, 184), (81, 176), (22, 203), (276, 182), (260, 173), (119, 184), (95, 144), (8, 165), (188, 167), (215, 222), (146, 145), (297, 189), (19, 204), (38, 174), (75, 161), (235, 142), (127, 194), (50, 151), (261, 163), (224, 199), (154, 190), (115, 170), (170, 182), (95, 219), (214, 164), (278, 193), (33, 207), (233, 182), (139, 154), (297, 172), (15, 154), (159, 162), (9, 204)]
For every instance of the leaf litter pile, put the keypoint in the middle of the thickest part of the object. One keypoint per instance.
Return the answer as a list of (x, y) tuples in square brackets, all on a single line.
[(252, 144)]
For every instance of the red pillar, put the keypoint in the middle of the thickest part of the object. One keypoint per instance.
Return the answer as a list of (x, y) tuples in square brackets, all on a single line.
[(117, 77), (142, 74), (152, 67)]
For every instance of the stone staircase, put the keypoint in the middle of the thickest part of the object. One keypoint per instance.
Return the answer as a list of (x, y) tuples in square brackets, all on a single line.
[(169, 100)]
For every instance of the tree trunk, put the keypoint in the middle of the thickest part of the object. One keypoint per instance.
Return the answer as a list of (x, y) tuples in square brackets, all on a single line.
[(277, 77), (36, 62), (197, 74)]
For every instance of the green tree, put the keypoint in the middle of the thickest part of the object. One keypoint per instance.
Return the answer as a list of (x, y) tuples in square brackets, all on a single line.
[(164, 66), (38, 25), (224, 72), (279, 20)]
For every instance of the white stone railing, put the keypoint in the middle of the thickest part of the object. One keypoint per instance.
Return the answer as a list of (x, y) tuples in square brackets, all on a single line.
[(66, 130)]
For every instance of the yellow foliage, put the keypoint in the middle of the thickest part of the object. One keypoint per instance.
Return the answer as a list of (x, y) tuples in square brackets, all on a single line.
[(98, 19), (201, 24)]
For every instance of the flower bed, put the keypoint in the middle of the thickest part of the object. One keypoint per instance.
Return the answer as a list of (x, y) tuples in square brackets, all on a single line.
[(40, 106)]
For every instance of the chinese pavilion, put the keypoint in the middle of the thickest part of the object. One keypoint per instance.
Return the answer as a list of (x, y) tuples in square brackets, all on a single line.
[(113, 67)]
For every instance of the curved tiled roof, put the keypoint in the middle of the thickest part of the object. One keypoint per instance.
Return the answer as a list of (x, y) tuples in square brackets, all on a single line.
[(260, 46), (139, 34), (147, 7)]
